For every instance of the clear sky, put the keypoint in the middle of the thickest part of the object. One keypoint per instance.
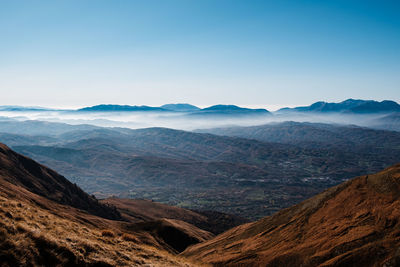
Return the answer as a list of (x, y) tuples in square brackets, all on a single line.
[(250, 53)]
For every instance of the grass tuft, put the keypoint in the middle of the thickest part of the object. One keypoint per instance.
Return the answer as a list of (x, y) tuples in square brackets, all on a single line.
[(107, 233), (129, 237)]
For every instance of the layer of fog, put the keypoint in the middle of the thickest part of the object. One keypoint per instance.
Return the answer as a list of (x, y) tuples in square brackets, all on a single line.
[(183, 121)]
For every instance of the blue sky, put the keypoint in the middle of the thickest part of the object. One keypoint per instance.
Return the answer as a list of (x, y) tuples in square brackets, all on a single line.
[(250, 53)]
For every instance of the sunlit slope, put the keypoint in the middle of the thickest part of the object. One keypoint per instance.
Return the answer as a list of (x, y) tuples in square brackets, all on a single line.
[(356, 223)]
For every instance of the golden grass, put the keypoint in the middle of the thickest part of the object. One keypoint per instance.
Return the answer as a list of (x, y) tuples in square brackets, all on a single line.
[(107, 233), (129, 237), (36, 236)]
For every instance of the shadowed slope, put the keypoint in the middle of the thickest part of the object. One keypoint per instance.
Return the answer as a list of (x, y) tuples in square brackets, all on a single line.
[(23, 171), (140, 210), (175, 234), (356, 223)]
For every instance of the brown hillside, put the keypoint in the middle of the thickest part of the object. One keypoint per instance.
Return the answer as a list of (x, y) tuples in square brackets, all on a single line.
[(22, 171), (36, 230), (354, 224)]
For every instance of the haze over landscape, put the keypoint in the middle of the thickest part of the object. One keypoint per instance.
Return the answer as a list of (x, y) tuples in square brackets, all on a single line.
[(199, 133)]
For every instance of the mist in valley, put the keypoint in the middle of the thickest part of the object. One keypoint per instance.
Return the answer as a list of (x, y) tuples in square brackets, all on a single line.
[(244, 156), (192, 121)]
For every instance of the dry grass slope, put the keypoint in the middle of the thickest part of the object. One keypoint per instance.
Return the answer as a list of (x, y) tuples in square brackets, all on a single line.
[(40, 231), (30, 235), (354, 224)]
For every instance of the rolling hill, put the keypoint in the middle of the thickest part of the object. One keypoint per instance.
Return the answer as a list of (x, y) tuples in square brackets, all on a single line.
[(313, 135), (227, 109), (200, 171)]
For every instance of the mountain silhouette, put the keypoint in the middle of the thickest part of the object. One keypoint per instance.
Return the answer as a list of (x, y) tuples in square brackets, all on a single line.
[(105, 108), (180, 107), (348, 106)]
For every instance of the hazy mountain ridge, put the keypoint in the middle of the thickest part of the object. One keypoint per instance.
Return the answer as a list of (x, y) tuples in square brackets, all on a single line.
[(349, 106), (183, 108), (312, 134), (365, 113), (41, 128), (108, 107), (180, 107)]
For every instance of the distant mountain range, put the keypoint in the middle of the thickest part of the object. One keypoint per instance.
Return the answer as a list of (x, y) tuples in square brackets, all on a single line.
[(187, 108), (21, 108), (354, 106), (232, 110), (104, 107), (348, 106)]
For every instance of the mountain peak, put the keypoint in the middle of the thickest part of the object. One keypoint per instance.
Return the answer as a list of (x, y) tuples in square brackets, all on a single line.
[(224, 107), (180, 107), (110, 107), (233, 108), (350, 105)]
